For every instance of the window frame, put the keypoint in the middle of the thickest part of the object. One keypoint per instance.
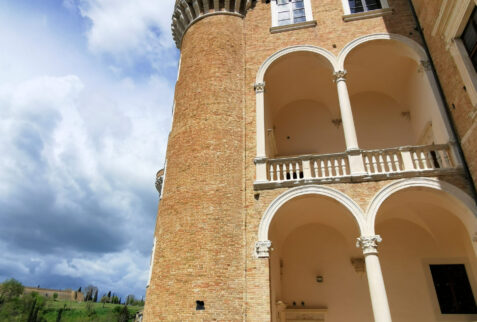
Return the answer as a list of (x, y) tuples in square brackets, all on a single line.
[(450, 25), (308, 14), (426, 263), (350, 16)]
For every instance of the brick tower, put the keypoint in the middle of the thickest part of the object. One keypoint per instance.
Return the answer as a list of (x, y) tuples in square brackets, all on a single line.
[(302, 129)]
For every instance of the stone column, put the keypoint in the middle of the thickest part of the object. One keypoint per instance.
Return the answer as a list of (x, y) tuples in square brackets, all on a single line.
[(260, 101), (261, 159), (355, 158), (346, 112), (377, 290)]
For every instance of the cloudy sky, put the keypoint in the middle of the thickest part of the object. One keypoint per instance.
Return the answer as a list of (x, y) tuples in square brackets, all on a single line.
[(86, 91)]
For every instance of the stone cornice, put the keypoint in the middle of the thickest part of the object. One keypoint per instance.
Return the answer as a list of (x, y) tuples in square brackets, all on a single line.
[(187, 12)]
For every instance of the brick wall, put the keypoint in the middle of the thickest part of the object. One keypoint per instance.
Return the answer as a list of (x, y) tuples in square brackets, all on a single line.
[(209, 214), (453, 86), (199, 251)]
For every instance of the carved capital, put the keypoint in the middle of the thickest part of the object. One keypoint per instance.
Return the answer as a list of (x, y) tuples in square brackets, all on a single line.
[(159, 182), (259, 87), (262, 248), (369, 244), (340, 75)]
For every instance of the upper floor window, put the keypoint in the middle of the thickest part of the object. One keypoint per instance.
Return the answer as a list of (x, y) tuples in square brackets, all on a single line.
[(288, 12), (469, 38), (363, 9), (356, 6)]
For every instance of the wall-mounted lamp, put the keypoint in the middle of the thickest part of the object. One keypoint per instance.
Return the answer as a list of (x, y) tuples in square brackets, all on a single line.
[(337, 122), (319, 279)]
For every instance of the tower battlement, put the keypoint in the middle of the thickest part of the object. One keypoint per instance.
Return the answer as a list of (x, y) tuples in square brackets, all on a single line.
[(187, 12)]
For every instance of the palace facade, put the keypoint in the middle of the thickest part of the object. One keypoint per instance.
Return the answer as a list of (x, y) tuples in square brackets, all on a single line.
[(321, 164)]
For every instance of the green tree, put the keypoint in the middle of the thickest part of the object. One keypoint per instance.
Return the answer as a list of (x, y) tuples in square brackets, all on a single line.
[(9, 289), (124, 315), (55, 296), (104, 300)]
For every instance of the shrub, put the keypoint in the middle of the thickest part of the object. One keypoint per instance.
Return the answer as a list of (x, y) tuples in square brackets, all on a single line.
[(10, 289)]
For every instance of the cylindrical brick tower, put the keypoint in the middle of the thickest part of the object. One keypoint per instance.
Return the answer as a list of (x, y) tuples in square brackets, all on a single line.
[(198, 265)]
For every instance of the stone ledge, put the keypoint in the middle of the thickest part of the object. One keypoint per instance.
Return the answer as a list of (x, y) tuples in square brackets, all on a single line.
[(257, 186), (368, 14), (295, 26)]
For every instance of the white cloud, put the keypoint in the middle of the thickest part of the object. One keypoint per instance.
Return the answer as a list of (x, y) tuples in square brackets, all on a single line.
[(129, 30), (80, 146)]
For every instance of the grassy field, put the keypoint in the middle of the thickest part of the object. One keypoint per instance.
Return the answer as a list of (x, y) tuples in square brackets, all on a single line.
[(74, 311)]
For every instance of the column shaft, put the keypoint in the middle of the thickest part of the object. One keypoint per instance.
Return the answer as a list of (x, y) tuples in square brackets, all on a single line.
[(377, 290), (346, 112)]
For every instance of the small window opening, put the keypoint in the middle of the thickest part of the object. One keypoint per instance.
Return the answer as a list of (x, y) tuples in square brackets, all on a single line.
[(200, 305), (453, 289)]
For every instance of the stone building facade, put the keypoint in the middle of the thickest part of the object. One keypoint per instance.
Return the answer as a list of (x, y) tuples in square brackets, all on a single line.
[(305, 134), (65, 295)]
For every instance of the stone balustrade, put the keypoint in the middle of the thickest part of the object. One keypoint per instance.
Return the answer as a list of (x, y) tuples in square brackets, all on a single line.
[(357, 166)]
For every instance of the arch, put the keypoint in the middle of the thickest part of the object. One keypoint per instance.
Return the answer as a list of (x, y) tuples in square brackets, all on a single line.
[(276, 204), (307, 48), (417, 48), (463, 198)]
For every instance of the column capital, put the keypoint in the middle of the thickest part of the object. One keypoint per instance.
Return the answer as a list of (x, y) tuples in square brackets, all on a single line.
[(262, 248), (340, 75), (369, 244), (259, 87)]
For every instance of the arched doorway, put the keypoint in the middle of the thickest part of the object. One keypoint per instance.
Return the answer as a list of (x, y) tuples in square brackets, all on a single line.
[(391, 91), (316, 271), (301, 108), (427, 254)]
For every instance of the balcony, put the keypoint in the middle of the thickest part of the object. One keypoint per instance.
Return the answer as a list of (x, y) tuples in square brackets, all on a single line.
[(357, 166)]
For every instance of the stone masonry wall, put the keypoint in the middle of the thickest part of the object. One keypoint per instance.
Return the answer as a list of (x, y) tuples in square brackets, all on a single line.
[(209, 214), (200, 250), (452, 84), (331, 33)]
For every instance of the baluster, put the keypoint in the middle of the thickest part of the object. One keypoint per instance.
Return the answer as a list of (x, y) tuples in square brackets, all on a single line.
[(288, 171), (382, 168), (330, 168), (367, 163), (389, 162), (336, 167), (415, 160), (322, 168), (343, 167), (374, 162), (425, 160), (271, 172), (300, 173), (316, 174), (397, 164), (446, 159)]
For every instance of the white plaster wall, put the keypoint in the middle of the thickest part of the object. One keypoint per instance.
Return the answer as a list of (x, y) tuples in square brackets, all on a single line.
[(416, 232), (313, 250), (308, 124), (379, 123), (424, 108)]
